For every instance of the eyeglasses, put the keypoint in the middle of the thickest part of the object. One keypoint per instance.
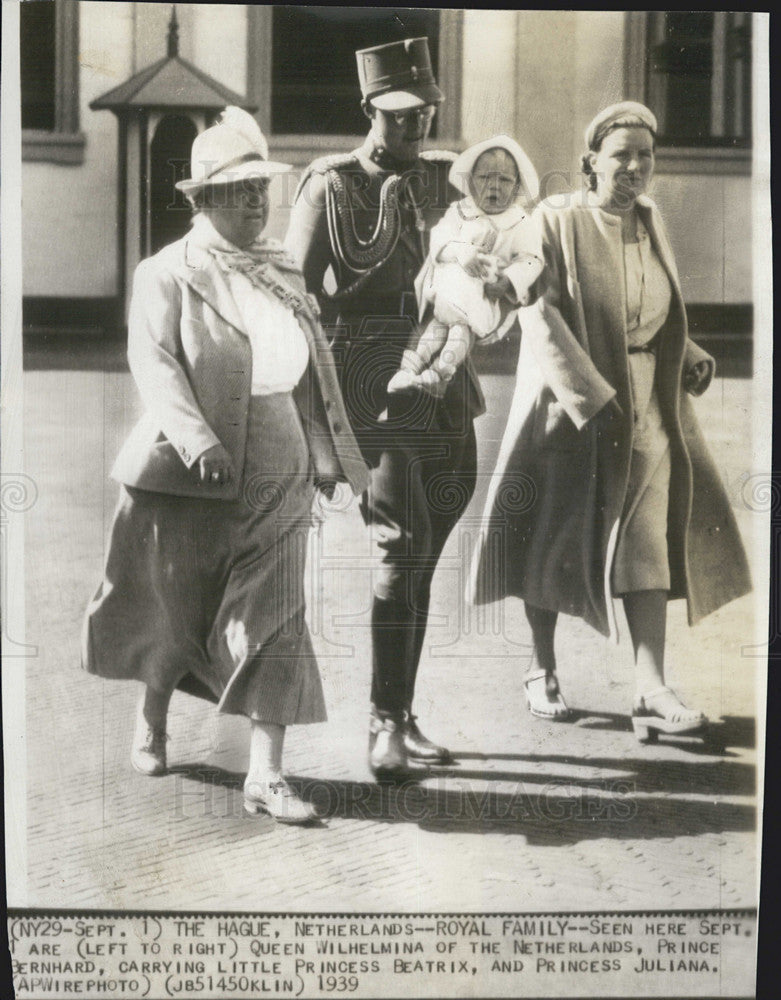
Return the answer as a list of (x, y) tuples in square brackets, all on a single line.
[(424, 114)]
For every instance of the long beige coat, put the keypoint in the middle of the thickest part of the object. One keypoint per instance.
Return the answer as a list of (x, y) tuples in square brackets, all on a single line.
[(552, 516), (192, 363)]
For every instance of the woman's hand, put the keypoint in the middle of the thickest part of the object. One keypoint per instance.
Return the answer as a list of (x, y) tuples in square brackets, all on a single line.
[(697, 377), (498, 289), (215, 467)]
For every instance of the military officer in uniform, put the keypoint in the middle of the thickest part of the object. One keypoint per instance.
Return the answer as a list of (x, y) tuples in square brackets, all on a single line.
[(359, 229)]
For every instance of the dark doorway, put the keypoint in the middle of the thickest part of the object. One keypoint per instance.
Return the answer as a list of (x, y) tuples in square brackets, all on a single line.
[(170, 162)]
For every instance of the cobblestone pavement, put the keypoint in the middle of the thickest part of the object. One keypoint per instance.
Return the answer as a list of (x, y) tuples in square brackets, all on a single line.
[(532, 816)]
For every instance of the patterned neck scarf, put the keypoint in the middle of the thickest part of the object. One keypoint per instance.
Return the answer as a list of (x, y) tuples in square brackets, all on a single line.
[(266, 263)]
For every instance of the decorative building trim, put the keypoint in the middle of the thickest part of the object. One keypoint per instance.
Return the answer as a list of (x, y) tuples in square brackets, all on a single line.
[(260, 28), (720, 319), (52, 147), (722, 329), (43, 315), (725, 330), (635, 32), (699, 160), (450, 74), (66, 77)]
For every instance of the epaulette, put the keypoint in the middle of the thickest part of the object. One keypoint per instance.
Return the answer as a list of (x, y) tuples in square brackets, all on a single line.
[(439, 156), (323, 164)]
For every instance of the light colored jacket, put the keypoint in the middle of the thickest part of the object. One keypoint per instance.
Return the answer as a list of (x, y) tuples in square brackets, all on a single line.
[(192, 363), (551, 520)]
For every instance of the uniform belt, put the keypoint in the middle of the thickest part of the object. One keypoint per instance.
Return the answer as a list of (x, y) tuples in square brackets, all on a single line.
[(395, 304)]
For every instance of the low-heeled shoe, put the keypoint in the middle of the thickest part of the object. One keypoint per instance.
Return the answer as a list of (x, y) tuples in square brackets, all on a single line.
[(279, 800), (387, 754), (419, 747)]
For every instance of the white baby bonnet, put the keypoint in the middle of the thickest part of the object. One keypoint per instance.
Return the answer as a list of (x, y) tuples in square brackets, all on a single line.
[(464, 164)]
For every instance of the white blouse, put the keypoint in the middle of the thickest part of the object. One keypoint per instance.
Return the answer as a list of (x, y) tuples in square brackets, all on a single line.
[(648, 292), (280, 353)]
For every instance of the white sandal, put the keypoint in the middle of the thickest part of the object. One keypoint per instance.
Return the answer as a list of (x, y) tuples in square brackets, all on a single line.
[(648, 721), (538, 700)]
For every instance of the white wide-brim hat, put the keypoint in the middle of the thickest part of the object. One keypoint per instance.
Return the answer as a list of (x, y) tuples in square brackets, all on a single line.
[(464, 164), (233, 150)]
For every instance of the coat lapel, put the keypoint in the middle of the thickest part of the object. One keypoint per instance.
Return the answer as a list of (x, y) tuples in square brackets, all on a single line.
[(650, 216), (594, 243), (205, 278), (610, 257)]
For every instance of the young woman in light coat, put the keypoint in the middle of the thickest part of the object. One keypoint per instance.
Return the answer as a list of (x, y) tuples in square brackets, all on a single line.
[(604, 485)]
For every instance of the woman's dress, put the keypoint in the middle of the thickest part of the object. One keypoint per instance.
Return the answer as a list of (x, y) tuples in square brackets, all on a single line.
[(209, 594), (641, 560)]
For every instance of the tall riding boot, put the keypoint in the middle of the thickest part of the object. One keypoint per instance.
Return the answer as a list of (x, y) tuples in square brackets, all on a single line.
[(418, 746), (391, 632)]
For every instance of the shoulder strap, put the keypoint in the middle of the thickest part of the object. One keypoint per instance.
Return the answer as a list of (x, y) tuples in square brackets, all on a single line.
[(358, 253), (322, 165), (443, 156)]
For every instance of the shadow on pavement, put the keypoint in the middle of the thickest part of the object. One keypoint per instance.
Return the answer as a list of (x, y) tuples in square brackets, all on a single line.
[(731, 730), (675, 777), (545, 809)]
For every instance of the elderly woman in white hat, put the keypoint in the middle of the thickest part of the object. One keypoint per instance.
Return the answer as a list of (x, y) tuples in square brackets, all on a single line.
[(484, 258), (604, 485), (203, 583)]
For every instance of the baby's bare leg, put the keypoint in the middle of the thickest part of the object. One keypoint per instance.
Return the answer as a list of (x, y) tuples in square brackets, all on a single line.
[(455, 350)]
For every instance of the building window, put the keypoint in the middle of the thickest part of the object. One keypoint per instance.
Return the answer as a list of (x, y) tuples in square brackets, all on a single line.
[(314, 83), (699, 76), (36, 44), (693, 69), (49, 78), (302, 72)]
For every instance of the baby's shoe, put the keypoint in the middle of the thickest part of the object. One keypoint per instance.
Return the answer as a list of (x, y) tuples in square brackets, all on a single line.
[(412, 364), (402, 381), (429, 379), (431, 383)]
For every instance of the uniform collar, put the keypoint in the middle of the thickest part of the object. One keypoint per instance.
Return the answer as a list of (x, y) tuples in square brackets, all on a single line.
[(378, 155)]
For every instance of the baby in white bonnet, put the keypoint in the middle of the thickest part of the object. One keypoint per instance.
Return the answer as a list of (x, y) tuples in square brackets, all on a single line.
[(485, 255)]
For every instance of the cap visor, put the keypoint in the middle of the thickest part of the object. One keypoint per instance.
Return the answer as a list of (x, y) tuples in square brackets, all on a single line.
[(407, 100), (244, 171)]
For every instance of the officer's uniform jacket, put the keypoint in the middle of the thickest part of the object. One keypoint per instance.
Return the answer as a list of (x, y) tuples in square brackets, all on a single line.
[(373, 315), (192, 363)]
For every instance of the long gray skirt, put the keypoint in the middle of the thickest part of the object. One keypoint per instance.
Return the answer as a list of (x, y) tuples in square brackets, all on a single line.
[(208, 595)]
